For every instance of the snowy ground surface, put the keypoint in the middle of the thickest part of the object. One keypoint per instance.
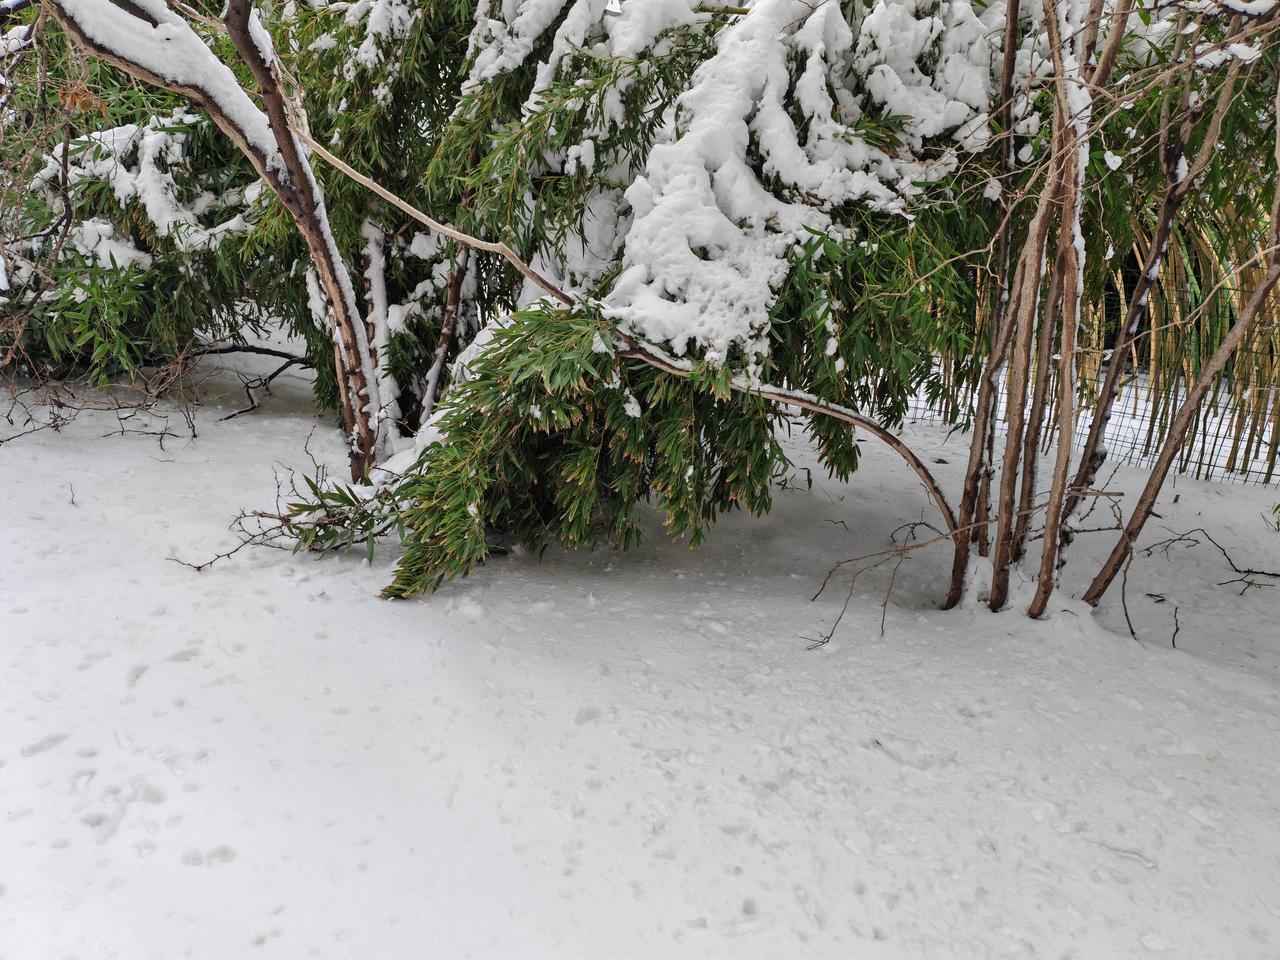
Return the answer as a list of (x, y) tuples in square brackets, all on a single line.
[(610, 757)]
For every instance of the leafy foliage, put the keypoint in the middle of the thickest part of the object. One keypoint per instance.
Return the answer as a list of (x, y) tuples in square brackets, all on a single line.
[(555, 439), (855, 173)]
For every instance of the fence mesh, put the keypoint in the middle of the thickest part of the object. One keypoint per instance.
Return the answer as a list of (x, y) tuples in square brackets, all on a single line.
[(1235, 436)]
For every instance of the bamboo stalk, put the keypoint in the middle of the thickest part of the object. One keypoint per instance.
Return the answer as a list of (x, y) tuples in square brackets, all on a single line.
[(1177, 434)]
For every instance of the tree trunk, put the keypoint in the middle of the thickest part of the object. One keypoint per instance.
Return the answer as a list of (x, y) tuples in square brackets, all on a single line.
[(1025, 301), (96, 26), (1074, 151), (976, 495)]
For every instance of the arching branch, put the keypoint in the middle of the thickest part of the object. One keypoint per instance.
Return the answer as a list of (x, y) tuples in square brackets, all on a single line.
[(638, 350)]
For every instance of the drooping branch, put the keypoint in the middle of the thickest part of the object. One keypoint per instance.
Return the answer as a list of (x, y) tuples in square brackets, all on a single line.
[(475, 243), (355, 363), (651, 355), (629, 346), (149, 41)]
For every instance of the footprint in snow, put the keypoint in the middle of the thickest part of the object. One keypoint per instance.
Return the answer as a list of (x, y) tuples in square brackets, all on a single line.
[(80, 781), (211, 858), (219, 855), (262, 938), (465, 608), (45, 743)]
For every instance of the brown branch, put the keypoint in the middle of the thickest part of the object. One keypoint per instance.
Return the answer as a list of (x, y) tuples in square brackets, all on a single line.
[(301, 195), (630, 347), (973, 504), (897, 555), (1026, 298), (501, 249), (1068, 282), (448, 320), (1099, 74), (252, 349), (294, 185)]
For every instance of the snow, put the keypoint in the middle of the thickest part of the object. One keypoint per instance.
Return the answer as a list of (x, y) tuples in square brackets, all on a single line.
[(171, 50), (136, 160), (638, 24), (1249, 8), (97, 238), (708, 243), (501, 45), (1211, 57), (765, 143), (384, 20), (617, 756)]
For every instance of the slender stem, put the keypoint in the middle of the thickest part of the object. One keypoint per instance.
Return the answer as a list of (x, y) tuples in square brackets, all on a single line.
[(443, 229), (448, 321), (1075, 151), (1176, 192), (1026, 300), (975, 497), (1177, 433)]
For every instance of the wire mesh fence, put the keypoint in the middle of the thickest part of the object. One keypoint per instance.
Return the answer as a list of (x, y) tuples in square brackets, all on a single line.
[(1234, 438)]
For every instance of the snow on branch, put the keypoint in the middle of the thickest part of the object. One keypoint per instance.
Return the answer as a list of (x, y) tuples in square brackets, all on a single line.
[(138, 161), (797, 110), (710, 234), (148, 40), (629, 346)]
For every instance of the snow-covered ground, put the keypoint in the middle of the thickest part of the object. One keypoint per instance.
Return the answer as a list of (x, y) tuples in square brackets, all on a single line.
[(600, 756)]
